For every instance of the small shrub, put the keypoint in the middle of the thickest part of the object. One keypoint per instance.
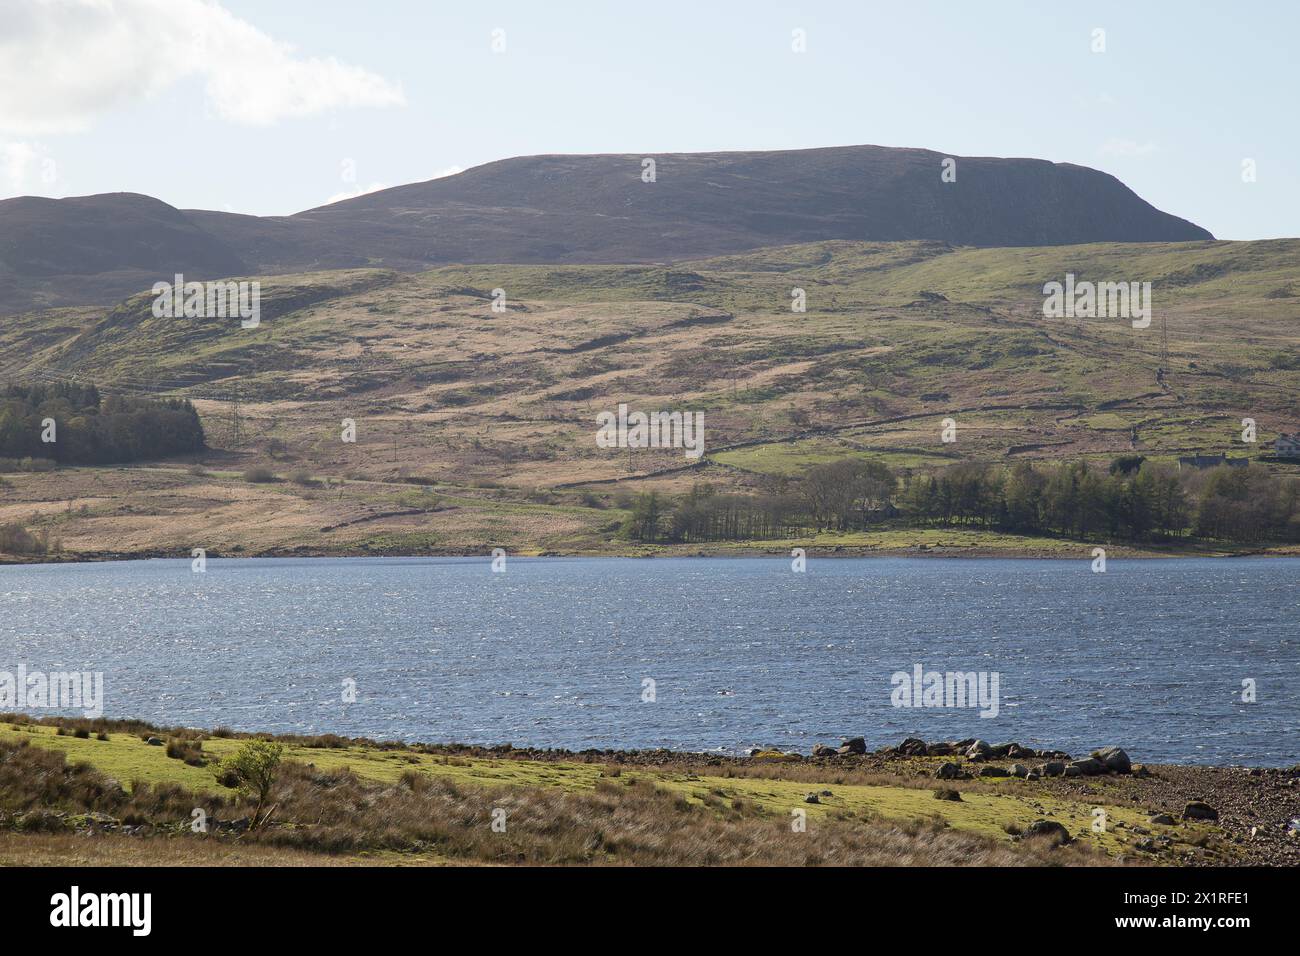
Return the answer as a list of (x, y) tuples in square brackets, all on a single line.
[(187, 751), (228, 778), (255, 766), (259, 475), (16, 539), (39, 820)]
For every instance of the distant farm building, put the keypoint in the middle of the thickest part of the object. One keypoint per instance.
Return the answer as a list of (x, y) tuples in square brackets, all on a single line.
[(1287, 446), (1211, 461)]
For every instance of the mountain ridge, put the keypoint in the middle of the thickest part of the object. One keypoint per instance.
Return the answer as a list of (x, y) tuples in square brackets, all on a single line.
[(577, 209)]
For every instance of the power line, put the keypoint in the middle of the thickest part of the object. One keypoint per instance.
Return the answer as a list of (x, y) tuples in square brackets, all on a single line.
[(236, 423)]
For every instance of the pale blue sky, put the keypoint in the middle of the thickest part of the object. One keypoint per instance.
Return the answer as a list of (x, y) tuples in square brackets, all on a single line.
[(1182, 94)]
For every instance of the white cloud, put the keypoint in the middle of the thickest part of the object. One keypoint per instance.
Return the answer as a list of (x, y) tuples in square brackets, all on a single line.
[(15, 161), (1126, 147), (64, 62), (359, 191), (26, 169), (375, 187)]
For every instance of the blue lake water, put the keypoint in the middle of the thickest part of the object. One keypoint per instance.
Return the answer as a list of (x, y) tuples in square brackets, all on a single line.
[(1150, 655)]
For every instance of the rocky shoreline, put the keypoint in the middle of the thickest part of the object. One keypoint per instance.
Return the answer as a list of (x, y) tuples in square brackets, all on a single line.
[(1164, 813), (974, 552), (1257, 809)]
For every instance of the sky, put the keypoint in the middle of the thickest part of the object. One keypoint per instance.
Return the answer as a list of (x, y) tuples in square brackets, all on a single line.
[(273, 106)]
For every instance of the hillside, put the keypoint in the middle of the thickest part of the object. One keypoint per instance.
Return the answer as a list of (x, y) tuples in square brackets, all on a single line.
[(99, 249), (492, 414), (577, 209)]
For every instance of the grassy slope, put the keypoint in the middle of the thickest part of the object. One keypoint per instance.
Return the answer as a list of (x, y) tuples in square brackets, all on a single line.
[(498, 409), (987, 808)]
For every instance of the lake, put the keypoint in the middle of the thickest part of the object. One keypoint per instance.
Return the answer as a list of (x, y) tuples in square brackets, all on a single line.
[(692, 653)]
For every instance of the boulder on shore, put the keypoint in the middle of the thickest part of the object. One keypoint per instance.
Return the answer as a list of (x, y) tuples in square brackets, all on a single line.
[(1114, 759), (772, 754), (1049, 828), (852, 745), (911, 747), (948, 771), (1089, 766), (1200, 810)]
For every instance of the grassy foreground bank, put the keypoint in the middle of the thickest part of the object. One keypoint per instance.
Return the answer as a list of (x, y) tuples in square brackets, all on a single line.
[(98, 792)]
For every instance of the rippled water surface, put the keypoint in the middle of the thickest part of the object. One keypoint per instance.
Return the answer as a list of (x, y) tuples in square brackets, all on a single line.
[(743, 652)]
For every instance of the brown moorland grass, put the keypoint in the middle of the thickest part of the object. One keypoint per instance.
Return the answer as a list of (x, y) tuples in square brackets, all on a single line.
[(336, 814), (75, 849), (496, 411)]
